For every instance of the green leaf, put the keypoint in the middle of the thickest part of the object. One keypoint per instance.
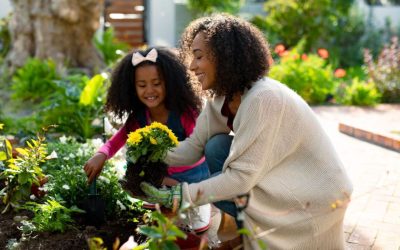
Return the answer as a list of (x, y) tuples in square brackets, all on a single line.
[(170, 245), (3, 156), (150, 231), (175, 231), (24, 177), (90, 92)]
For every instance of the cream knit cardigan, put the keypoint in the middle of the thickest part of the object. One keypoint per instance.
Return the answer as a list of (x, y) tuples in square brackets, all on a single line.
[(282, 157)]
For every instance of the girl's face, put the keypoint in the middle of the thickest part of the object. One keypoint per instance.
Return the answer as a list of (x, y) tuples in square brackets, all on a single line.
[(202, 65), (150, 87)]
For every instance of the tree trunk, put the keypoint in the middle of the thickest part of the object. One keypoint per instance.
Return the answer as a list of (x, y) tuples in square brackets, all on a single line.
[(58, 29)]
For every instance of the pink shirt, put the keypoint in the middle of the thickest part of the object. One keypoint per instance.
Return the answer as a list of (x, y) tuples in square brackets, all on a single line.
[(118, 140)]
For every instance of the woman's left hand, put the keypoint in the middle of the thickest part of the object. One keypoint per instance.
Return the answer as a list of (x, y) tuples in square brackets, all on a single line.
[(168, 197)]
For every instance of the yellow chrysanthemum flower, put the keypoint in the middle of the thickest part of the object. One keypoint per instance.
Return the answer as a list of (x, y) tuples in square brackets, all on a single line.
[(1, 125), (173, 138), (134, 138), (160, 126), (145, 130), (153, 141)]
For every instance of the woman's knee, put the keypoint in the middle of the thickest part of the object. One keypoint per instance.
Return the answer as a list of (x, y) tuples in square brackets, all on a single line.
[(218, 146)]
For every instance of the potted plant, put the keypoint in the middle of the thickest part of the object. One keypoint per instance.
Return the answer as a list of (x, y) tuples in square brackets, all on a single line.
[(146, 147)]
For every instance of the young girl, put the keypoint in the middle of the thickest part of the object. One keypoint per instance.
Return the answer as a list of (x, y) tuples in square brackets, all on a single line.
[(153, 85)]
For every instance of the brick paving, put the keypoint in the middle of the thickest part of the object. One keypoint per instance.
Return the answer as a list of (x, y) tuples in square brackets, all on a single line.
[(373, 217)]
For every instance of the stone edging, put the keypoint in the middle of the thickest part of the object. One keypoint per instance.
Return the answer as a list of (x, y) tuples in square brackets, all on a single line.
[(368, 136)]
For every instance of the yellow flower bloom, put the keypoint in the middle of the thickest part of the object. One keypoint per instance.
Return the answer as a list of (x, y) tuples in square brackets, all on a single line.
[(1, 125), (134, 138), (173, 138), (160, 126), (153, 141)]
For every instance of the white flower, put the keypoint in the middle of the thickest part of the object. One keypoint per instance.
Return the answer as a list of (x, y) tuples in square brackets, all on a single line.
[(121, 206), (66, 158), (105, 179), (130, 244), (32, 197), (53, 155), (97, 143), (104, 74), (79, 153), (65, 186), (71, 155), (63, 139)]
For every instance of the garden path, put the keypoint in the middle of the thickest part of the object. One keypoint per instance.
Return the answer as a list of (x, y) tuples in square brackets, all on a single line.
[(373, 217)]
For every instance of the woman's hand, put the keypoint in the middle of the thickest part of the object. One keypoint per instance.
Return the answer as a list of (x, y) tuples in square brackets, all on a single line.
[(94, 166), (170, 197)]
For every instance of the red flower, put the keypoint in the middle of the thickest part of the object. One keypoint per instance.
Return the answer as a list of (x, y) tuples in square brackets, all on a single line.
[(284, 53), (339, 73), (323, 53), (279, 49), (304, 57)]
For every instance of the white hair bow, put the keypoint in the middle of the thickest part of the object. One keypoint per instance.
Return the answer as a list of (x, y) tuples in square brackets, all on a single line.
[(138, 58)]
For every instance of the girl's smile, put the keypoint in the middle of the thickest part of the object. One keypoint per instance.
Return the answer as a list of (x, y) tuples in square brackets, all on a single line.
[(150, 87)]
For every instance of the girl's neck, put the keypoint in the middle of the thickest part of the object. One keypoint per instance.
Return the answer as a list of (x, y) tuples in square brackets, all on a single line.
[(159, 114)]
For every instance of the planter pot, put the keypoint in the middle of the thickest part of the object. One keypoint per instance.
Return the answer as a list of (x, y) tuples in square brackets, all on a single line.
[(152, 173)]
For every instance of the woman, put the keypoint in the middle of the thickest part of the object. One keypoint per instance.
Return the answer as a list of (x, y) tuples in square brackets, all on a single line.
[(279, 153)]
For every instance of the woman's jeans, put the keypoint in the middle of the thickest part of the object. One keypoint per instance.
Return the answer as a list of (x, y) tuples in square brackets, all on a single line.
[(216, 151), (193, 175)]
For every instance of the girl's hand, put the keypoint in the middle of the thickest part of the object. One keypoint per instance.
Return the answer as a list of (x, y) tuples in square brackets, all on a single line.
[(94, 166)]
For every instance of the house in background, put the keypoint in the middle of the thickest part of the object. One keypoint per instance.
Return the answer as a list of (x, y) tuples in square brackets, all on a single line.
[(5, 8), (164, 20), (160, 22)]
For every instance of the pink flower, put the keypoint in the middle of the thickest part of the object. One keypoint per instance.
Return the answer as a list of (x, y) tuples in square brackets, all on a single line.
[(339, 73), (304, 57), (279, 49), (323, 53)]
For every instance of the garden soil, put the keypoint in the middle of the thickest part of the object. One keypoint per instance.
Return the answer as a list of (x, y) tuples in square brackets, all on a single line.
[(72, 239)]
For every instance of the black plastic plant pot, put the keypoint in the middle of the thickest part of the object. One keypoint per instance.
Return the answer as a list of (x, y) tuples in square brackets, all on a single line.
[(152, 173)]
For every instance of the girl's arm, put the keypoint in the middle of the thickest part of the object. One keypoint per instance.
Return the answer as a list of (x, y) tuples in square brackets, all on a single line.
[(115, 143)]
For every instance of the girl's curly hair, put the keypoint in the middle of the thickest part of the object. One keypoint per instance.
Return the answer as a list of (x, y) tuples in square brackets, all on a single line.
[(181, 95), (238, 48)]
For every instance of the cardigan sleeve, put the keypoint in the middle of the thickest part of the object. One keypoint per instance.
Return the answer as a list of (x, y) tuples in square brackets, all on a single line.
[(258, 129), (208, 123)]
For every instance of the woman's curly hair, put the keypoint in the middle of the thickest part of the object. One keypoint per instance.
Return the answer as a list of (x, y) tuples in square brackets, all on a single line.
[(238, 48), (181, 95)]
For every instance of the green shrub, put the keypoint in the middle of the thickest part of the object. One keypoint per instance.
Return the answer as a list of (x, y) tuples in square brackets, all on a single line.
[(109, 47), (34, 81), (311, 20), (207, 7), (308, 75), (360, 93), (385, 72), (68, 182), (22, 172), (51, 216), (5, 37), (75, 105)]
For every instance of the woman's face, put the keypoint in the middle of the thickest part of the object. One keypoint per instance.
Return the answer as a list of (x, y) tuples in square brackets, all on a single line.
[(149, 86), (202, 64)]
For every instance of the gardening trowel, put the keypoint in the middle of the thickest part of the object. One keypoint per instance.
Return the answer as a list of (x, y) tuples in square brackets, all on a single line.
[(94, 206)]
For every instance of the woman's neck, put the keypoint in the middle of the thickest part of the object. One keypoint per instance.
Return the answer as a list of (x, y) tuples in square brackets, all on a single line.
[(235, 103)]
